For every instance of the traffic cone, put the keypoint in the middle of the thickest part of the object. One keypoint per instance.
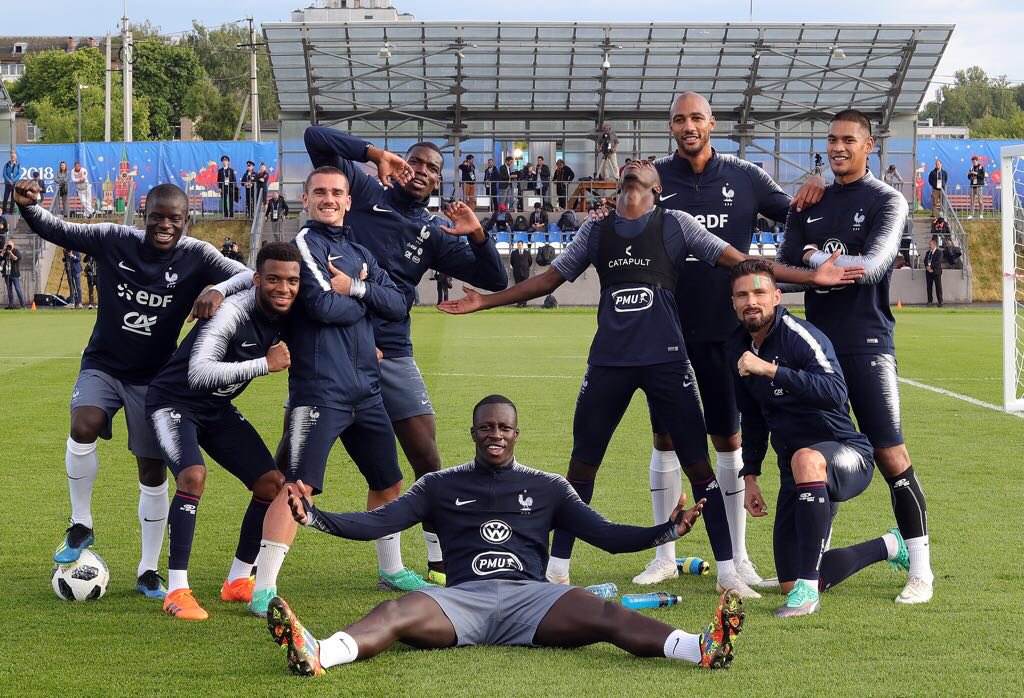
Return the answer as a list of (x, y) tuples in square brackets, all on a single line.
[(33, 306), (899, 303)]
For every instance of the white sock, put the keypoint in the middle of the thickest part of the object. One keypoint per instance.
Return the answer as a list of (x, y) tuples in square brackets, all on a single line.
[(82, 465), (153, 506), (239, 570), (892, 546), (666, 483), (728, 465), (684, 646), (433, 547), (812, 583), (726, 568), (177, 579), (920, 558), (389, 553), (339, 648), (268, 563), (558, 566)]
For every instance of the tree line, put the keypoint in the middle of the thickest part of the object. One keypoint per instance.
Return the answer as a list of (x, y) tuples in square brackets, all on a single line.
[(991, 107)]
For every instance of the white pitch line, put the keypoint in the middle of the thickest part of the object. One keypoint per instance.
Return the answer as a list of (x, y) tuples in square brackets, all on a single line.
[(958, 396), (498, 375)]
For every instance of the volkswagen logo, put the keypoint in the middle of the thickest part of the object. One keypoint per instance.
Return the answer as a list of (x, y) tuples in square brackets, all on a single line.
[(495, 531)]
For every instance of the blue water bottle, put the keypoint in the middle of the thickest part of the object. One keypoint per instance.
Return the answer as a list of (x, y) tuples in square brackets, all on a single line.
[(692, 565), (608, 590), (655, 599)]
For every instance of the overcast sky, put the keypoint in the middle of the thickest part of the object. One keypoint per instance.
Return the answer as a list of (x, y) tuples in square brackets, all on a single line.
[(987, 33)]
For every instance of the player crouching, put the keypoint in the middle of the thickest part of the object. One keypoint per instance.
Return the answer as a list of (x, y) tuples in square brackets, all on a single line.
[(493, 517), (189, 406)]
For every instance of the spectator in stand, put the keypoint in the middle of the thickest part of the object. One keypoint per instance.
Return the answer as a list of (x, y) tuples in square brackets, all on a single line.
[(444, 284), (490, 182), (506, 175), (500, 222), (937, 179), (277, 209), (467, 175), (83, 187), (567, 222), (951, 254), (73, 271), (562, 176), (526, 180), (10, 269), (249, 185), (90, 267), (262, 183), (234, 253), (976, 176), (11, 175), (907, 240), (892, 177), (543, 178), (520, 260), (227, 183), (940, 229), (60, 180), (3, 229), (607, 146), (933, 271), (538, 220)]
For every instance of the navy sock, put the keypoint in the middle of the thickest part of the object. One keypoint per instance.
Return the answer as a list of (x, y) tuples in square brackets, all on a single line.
[(181, 528), (838, 564), (562, 541), (908, 504), (813, 521), (715, 519), (252, 530)]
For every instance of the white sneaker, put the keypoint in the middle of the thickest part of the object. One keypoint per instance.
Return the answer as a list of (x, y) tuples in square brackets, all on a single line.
[(734, 582), (658, 570), (916, 591), (555, 579), (748, 573)]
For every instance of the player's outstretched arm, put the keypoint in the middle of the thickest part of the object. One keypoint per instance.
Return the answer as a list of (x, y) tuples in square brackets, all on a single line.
[(75, 236), (328, 146), (828, 274), (398, 515), (534, 287)]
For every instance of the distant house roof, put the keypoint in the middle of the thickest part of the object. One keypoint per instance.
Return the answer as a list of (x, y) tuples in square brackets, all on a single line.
[(34, 44)]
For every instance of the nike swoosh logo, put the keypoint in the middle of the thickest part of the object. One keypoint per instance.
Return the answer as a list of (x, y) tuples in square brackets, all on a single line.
[(378, 209), (666, 198), (248, 344), (124, 266), (151, 520), (77, 478), (729, 494), (660, 489), (687, 385), (460, 502), (814, 220), (331, 259)]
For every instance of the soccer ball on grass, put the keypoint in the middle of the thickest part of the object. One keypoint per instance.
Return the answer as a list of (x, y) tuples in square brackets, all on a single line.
[(83, 580)]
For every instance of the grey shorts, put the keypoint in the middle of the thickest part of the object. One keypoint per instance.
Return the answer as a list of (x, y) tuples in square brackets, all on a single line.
[(496, 611), (98, 389), (402, 387)]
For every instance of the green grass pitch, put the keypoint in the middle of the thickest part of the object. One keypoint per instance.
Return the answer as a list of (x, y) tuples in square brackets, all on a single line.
[(969, 458)]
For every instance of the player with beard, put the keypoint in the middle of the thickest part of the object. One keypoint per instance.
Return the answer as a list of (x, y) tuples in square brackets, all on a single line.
[(726, 195), (639, 253), (862, 219), (389, 217), (147, 283), (791, 386), (494, 516), (189, 404)]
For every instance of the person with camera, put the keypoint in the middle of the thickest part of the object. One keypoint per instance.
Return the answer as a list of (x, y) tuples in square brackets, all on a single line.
[(60, 180), (608, 162), (10, 269), (73, 272), (90, 266), (976, 176)]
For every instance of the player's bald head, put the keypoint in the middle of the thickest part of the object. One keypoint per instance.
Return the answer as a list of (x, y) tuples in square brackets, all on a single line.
[(688, 103)]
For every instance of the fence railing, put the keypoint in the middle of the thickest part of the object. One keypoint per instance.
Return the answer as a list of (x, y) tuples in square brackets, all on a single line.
[(957, 233), (129, 204), (256, 231)]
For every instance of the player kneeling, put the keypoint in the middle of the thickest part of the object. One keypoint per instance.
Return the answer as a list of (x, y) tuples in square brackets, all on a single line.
[(189, 405), (493, 517)]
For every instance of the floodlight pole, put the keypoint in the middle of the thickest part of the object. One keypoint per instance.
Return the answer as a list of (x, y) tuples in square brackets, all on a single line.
[(106, 97)]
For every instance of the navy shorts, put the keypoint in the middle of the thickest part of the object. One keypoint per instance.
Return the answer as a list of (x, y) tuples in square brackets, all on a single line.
[(95, 388), (366, 434), (605, 394), (402, 387), (875, 397), (849, 468), (715, 379), (223, 433)]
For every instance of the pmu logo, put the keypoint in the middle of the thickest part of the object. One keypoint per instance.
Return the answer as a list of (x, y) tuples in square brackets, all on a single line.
[(493, 561), (631, 300), (495, 531), (727, 195), (858, 219), (171, 279), (138, 323)]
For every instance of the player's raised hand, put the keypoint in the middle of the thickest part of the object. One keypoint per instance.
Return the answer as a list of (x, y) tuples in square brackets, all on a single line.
[(599, 213), (753, 500), (685, 518), (831, 274), (206, 305), (471, 303), (809, 194), (25, 192), (340, 281), (389, 166), (464, 219), (299, 501), (278, 357)]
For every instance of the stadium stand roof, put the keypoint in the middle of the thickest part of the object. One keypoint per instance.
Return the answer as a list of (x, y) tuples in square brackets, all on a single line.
[(758, 77)]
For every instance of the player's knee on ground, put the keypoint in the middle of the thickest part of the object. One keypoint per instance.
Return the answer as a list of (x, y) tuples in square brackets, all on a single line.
[(891, 461), (808, 466), (87, 424), (268, 485), (192, 480), (152, 471), (663, 442), (698, 472)]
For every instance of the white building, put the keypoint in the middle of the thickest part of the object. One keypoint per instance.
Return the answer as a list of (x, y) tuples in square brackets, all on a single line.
[(351, 11)]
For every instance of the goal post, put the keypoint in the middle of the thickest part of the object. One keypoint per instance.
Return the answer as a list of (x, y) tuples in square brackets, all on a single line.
[(1012, 182)]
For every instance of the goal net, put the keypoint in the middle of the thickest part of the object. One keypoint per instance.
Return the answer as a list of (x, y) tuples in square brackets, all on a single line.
[(1012, 173)]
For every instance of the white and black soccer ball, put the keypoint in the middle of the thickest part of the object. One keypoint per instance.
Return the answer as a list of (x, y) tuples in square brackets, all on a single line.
[(85, 579)]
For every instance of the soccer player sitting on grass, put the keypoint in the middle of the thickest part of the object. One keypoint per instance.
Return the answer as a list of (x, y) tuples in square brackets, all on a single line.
[(493, 516), (790, 385), (189, 405)]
